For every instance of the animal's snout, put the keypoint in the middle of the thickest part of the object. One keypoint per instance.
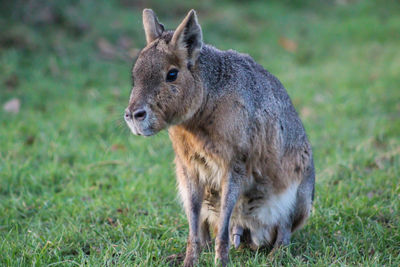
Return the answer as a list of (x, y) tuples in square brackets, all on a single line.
[(128, 114), (139, 114), (141, 120)]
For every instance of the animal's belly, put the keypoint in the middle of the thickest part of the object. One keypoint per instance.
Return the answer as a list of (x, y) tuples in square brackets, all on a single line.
[(266, 207), (258, 209)]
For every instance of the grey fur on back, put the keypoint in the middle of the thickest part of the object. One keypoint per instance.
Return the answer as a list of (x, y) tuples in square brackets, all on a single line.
[(225, 71)]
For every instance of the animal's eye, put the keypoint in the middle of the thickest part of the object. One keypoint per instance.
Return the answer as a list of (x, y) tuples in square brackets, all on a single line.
[(172, 75)]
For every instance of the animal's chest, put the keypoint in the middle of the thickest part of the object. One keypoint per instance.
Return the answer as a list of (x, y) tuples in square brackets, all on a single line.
[(210, 169), (201, 155)]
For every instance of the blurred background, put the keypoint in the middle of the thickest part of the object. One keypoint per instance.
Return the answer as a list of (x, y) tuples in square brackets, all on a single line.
[(77, 188)]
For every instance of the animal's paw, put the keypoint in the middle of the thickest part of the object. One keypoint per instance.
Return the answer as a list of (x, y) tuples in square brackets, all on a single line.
[(221, 261), (189, 261), (222, 254), (192, 253)]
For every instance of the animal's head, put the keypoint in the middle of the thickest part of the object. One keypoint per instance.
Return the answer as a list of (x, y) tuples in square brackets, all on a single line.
[(167, 89)]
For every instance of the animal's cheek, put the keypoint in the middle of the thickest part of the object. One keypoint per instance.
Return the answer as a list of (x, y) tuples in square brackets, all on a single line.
[(167, 93), (164, 101), (174, 89)]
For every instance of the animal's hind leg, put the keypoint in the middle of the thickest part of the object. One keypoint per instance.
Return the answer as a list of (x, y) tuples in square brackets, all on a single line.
[(304, 198), (282, 236), (205, 238)]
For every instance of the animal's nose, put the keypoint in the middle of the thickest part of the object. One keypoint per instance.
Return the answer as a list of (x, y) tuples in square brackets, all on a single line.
[(139, 114), (128, 114)]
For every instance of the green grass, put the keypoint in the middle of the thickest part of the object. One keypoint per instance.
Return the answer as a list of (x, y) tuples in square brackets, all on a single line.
[(76, 188)]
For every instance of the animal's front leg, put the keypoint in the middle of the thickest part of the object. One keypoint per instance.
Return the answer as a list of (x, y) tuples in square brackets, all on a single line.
[(192, 195), (230, 193)]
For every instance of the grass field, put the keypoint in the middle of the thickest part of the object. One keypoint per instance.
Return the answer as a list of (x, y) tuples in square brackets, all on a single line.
[(76, 188)]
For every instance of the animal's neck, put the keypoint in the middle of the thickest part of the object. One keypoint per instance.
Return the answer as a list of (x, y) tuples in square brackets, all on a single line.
[(213, 68), (213, 71)]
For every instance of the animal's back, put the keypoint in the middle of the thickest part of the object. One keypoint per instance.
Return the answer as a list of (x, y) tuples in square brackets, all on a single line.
[(272, 140), (260, 93)]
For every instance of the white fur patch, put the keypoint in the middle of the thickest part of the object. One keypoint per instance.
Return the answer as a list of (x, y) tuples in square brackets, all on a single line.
[(274, 210), (277, 206)]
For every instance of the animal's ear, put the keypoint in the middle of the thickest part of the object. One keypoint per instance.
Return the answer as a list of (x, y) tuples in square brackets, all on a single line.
[(152, 28), (188, 37)]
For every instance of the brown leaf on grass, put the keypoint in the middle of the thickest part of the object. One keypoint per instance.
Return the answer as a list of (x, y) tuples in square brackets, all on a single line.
[(112, 222), (116, 147), (122, 210), (306, 112), (17, 37), (287, 44), (12, 106), (30, 140), (106, 49), (175, 259), (12, 82)]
